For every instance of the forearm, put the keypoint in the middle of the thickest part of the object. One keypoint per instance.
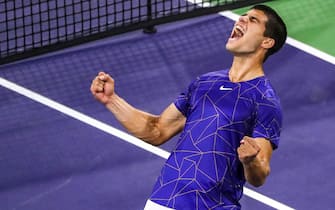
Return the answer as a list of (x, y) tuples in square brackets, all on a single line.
[(256, 171), (138, 123)]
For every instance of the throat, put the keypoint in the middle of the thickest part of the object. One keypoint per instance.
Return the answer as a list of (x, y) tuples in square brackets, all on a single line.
[(242, 75), (245, 68)]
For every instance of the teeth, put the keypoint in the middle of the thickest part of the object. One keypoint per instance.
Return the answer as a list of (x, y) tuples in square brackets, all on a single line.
[(239, 30)]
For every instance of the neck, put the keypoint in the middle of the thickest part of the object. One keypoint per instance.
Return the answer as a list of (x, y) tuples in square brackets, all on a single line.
[(244, 69)]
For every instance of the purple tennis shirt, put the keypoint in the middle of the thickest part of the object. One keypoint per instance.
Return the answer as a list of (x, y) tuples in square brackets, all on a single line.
[(203, 171)]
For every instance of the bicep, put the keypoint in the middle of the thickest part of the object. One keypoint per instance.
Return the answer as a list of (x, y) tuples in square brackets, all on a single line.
[(170, 122)]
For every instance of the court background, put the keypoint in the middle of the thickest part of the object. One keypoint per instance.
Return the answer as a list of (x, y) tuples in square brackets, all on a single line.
[(50, 161)]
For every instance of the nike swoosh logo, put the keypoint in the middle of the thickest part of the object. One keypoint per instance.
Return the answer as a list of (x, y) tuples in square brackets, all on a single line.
[(225, 88)]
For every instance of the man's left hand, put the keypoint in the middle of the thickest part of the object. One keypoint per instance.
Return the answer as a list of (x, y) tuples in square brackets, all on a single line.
[(248, 150)]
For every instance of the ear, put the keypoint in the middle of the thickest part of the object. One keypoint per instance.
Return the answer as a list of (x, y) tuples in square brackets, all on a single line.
[(268, 43)]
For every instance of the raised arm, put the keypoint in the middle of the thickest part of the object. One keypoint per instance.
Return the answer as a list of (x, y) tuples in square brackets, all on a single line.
[(154, 129), (255, 155)]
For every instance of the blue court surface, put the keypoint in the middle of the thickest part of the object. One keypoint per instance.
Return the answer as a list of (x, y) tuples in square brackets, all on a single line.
[(62, 150)]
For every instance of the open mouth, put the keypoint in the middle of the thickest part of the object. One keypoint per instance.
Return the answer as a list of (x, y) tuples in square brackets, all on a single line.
[(237, 33)]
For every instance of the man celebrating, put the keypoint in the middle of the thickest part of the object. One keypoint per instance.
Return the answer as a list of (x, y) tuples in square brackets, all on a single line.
[(230, 122)]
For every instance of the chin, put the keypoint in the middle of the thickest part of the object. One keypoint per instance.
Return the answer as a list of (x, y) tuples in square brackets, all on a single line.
[(229, 47)]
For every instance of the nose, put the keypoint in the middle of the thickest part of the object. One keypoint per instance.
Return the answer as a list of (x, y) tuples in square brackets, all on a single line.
[(243, 18)]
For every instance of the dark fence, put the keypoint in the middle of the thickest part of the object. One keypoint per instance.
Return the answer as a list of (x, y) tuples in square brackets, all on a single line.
[(33, 27)]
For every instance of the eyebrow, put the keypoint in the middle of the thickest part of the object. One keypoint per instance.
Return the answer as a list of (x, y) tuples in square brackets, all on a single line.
[(252, 17)]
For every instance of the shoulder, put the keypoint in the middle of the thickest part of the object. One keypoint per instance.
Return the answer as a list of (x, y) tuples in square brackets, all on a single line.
[(213, 76), (261, 89), (263, 95), (267, 91), (220, 74), (267, 100)]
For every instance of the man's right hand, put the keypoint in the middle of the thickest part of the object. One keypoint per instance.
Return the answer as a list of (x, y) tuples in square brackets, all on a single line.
[(102, 87)]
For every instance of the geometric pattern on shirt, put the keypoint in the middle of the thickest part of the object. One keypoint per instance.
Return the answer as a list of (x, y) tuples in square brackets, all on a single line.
[(203, 172)]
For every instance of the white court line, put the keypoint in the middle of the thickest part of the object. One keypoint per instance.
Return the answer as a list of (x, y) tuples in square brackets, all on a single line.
[(83, 118), (266, 200), (295, 43), (118, 133)]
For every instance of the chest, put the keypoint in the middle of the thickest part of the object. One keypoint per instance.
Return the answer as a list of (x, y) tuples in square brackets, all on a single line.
[(231, 102)]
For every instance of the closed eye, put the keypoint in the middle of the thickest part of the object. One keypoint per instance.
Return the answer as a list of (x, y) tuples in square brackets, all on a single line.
[(253, 19)]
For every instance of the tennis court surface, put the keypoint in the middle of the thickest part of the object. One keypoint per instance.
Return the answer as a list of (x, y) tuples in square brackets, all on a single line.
[(60, 149)]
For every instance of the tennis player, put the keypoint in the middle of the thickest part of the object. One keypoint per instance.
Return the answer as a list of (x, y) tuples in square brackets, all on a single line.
[(230, 122)]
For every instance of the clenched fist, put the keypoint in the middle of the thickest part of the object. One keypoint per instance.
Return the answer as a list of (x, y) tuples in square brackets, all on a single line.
[(248, 150), (102, 87)]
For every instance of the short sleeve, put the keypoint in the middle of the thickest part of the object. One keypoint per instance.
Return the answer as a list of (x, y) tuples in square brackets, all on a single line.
[(183, 101), (268, 122)]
